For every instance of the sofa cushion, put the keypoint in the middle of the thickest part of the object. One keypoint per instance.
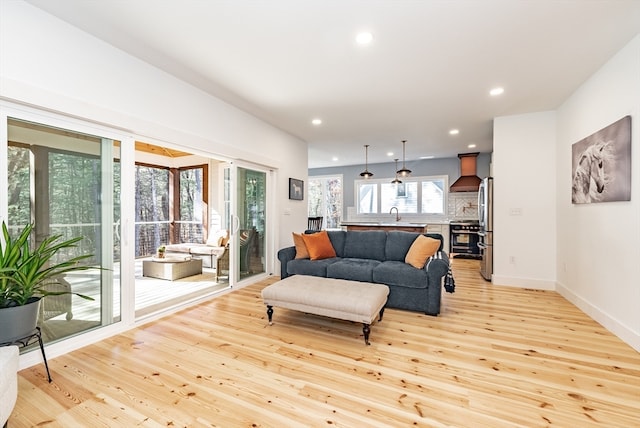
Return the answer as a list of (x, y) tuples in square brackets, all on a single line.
[(319, 245), (398, 244), (337, 238), (301, 248), (352, 269), (180, 248), (368, 244), (421, 249), (400, 274), (309, 267)]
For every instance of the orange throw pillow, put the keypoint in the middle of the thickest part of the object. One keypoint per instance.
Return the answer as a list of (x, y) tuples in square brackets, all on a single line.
[(319, 245), (421, 249), (301, 248)]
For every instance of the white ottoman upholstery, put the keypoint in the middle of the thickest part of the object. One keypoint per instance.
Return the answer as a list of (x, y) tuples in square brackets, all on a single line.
[(8, 381), (335, 298)]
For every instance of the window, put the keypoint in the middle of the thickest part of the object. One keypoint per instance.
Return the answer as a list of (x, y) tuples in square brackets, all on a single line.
[(191, 218), (419, 195), (67, 182), (404, 196), (367, 198), (152, 208), (159, 209), (325, 199)]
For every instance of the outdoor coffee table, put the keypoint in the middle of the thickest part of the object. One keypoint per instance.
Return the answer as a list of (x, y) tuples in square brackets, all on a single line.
[(171, 268)]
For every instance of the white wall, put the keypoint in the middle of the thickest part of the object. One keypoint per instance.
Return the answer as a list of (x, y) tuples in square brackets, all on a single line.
[(599, 244), (524, 200), (589, 253), (47, 63)]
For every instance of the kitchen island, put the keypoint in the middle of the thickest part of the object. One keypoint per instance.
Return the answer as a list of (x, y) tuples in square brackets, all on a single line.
[(404, 226)]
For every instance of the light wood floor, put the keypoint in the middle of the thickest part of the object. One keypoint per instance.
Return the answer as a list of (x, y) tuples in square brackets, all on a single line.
[(495, 357)]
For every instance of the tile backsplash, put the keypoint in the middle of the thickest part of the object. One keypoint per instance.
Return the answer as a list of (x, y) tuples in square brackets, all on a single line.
[(463, 206)]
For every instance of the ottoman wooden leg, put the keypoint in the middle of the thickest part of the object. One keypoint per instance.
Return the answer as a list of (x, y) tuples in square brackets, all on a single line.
[(381, 313), (270, 313), (366, 330)]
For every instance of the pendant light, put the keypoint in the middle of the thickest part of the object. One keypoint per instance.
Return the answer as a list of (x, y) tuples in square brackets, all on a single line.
[(396, 181), (404, 172), (366, 173)]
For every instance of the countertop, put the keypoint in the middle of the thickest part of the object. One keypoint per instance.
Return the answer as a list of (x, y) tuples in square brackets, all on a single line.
[(384, 223), (393, 223)]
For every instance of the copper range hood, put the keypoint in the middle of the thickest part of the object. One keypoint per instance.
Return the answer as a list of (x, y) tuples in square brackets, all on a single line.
[(468, 181)]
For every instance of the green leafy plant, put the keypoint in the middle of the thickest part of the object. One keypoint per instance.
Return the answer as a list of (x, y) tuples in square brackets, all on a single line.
[(26, 272)]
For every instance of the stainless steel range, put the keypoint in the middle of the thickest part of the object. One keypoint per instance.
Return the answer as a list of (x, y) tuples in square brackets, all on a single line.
[(463, 238)]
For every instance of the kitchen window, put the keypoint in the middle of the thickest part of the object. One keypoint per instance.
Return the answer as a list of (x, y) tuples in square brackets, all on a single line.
[(415, 195)]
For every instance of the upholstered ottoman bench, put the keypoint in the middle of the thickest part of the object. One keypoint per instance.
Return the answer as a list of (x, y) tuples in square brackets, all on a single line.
[(8, 381), (335, 298)]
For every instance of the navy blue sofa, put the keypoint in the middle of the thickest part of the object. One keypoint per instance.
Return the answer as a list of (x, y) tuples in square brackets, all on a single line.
[(378, 257)]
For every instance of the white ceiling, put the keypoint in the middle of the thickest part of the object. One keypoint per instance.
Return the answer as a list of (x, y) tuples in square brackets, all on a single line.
[(428, 70)]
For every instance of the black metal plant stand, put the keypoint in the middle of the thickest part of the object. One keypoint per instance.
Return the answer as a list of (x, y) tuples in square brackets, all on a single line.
[(27, 340)]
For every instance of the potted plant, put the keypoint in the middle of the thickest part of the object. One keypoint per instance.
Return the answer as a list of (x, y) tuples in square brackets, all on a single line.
[(161, 250), (25, 273)]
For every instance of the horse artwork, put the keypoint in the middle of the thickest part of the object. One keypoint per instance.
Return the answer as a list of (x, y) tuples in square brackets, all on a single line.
[(296, 189), (590, 178), (602, 165)]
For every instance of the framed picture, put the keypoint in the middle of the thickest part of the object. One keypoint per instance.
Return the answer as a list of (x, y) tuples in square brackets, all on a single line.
[(601, 165), (296, 189)]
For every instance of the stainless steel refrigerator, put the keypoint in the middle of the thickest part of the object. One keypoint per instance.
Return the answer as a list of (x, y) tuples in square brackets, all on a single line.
[(485, 217)]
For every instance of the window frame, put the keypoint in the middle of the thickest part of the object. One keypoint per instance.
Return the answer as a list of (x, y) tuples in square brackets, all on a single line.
[(419, 202)]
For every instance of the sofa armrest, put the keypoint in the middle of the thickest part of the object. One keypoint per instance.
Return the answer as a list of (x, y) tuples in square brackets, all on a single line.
[(285, 255), (437, 267), (438, 264)]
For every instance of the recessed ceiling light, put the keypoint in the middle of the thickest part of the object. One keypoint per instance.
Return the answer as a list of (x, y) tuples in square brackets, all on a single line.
[(454, 132), (364, 38), (496, 91), (317, 121), (389, 153), (335, 158), (471, 146), (427, 157)]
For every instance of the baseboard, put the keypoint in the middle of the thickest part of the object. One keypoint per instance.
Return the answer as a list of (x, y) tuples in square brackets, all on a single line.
[(614, 326), (535, 284)]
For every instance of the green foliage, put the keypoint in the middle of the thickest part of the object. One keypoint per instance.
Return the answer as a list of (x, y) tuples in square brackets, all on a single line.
[(25, 273)]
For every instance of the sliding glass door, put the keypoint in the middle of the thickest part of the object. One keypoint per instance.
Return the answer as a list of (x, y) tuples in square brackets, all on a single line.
[(65, 175), (246, 217), (67, 183), (252, 208)]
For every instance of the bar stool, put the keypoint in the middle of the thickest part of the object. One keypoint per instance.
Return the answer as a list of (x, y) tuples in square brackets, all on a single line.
[(315, 223)]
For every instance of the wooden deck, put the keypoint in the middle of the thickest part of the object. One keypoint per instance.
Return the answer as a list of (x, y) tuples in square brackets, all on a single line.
[(495, 357), (151, 295)]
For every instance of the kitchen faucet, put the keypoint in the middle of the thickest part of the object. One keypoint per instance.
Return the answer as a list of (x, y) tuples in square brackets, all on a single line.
[(397, 213)]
